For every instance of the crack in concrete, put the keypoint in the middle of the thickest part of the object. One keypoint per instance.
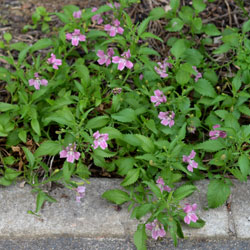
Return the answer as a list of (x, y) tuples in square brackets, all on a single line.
[(231, 222)]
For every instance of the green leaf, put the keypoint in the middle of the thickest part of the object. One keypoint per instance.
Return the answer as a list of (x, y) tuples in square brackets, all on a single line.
[(222, 49), (29, 156), (217, 193), (48, 148), (211, 30), (205, 88), (182, 77), (11, 174), (146, 143), (246, 26), (211, 145), (131, 177), (132, 139), (140, 237), (232, 122), (142, 210), (112, 132), (41, 198), (116, 196), (41, 44), (97, 122), (178, 48), (83, 74), (198, 224), (154, 188), (176, 24), (5, 182), (174, 4), (124, 165), (125, 115), (244, 165), (146, 35), (157, 13), (244, 110), (236, 83), (36, 126), (199, 5), (184, 191), (7, 107), (143, 26), (148, 51), (192, 56), (150, 124), (96, 33), (66, 171), (104, 153)]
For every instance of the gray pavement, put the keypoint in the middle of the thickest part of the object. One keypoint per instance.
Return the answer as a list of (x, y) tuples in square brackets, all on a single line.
[(96, 224)]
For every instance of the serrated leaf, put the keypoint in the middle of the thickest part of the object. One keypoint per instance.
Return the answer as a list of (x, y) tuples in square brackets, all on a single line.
[(176, 24), (11, 174), (36, 126), (48, 148), (104, 153), (211, 30), (140, 237), (217, 193), (244, 110), (142, 210), (184, 191), (29, 156), (131, 177), (7, 107), (157, 13), (146, 143), (112, 132), (97, 122), (41, 44), (131, 139), (192, 56), (205, 88), (244, 165), (125, 115), (178, 48), (199, 5), (246, 26), (148, 51), (116, 196), (146, 35), (124, 165), (154, 188), (143, 26), (211, 145)]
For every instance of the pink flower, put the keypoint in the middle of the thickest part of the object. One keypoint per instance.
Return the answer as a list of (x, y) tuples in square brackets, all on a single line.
[(141, 77), (70, 153), (77, 14), (161, 184), (37, 82), (54, 61), (75, 37), (198, 74), (116, 5), (189, 210), (189, 159), (80, 193), (103, 58), (122, 61), (215, 134), (161, 70), (100, 140), (157, 229), (167, 118), (158, 98), (97, 17), (114, 29)]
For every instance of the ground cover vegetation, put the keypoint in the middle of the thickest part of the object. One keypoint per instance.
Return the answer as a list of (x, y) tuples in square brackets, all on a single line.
[(100, 93)]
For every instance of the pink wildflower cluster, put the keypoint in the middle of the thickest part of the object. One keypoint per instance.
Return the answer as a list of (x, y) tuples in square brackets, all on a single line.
[(189, 159), (96, 18), (167, 118), (75, 37), (158, 98), (80, 193), (105, 58), (123, 61), (198, 74), (161, 184), (37, 82), (77, 14), (114, 29), (161, 69), (54, 61), (116, 91), (215, 134), (157, 229), (100, 140), (70, 153), (116, 5), (189, 210)]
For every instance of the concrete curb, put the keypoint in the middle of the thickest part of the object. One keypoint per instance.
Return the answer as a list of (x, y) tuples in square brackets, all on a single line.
[(96, 218)]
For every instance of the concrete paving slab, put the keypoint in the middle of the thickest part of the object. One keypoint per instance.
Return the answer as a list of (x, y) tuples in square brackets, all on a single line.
[(240, 208), (216, 219), (94, 217)]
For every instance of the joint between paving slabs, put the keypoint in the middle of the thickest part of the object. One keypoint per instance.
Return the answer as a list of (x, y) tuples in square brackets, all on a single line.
[(231, 222)]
